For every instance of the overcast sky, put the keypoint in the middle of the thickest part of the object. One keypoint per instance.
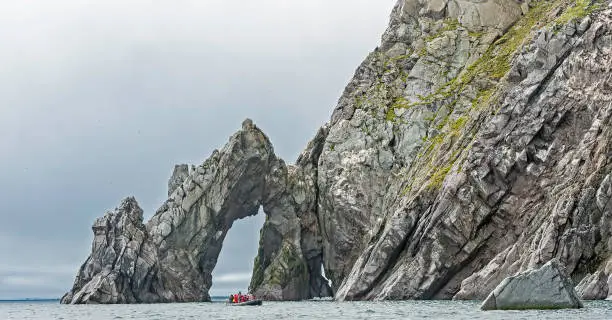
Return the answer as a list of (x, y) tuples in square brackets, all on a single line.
[(99, 100)]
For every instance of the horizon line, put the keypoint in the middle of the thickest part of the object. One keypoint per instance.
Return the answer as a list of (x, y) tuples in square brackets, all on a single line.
[(29, 299)]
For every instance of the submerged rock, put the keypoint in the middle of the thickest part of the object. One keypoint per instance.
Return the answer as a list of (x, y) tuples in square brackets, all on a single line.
[(546, 288)]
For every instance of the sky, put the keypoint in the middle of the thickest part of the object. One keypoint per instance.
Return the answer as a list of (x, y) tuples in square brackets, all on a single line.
[(99, 100)]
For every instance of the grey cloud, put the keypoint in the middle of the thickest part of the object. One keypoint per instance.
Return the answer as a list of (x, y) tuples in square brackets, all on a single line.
[(98, 101), (233, 277)]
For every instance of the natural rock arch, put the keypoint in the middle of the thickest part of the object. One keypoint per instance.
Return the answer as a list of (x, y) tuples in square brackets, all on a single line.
[(172, 256)]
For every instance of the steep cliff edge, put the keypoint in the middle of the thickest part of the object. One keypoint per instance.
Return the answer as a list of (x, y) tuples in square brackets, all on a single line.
[(496, 141), (473, 144)]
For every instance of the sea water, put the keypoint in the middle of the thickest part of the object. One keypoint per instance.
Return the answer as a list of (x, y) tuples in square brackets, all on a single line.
[(327, 310)]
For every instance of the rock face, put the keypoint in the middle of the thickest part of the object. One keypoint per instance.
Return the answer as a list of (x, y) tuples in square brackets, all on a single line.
[(119, 256), (546, 288), (473, 144), (289, 260), (598, 285), (179, 175), (462, 154)]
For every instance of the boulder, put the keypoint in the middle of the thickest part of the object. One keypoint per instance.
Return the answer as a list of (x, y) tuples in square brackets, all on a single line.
[(546, 288)]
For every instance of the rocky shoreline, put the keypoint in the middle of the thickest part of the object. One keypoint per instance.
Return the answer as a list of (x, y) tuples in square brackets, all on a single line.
[(474, 144)]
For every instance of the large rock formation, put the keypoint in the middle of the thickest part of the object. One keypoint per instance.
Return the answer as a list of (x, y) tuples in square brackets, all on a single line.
[(473, 144), (498, 144), (171, 258), (120, 260), (546, 288)]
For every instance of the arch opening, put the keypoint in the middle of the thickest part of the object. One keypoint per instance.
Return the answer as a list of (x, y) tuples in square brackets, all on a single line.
[(234, 267)]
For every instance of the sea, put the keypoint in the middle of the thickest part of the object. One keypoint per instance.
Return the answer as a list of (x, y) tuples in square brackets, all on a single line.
[(328, 310)]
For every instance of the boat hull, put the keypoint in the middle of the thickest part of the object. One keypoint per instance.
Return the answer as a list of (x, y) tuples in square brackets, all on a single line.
[(246, 303)]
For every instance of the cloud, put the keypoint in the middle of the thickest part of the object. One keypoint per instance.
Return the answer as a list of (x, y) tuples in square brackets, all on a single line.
[(34, 284), (35, 279), (99, 100), (232, 278), (56, 270), (23, 281)]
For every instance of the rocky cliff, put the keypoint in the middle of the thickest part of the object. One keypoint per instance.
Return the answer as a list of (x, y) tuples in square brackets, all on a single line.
[(473, 144), (487, 127)]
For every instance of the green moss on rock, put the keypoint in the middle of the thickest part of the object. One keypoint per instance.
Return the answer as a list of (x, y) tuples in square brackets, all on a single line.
[(258, 265), (435, 182), (579, 10), (288, 266)]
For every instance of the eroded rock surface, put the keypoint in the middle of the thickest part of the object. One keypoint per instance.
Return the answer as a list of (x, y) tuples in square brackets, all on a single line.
[(545, 288), (384, 121), (179, 175), (499, 153), (114, 271)]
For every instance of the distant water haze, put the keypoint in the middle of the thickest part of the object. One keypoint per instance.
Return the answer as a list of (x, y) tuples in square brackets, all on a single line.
[(99, 100)]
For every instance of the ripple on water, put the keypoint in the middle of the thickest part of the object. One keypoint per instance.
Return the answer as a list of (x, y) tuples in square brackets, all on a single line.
[(294, 310)]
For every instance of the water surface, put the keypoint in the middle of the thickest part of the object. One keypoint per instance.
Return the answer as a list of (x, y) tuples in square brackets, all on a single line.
[(291, 310)]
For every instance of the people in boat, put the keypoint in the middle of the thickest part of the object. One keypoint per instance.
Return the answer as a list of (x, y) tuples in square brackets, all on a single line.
[(243, 297), (239, 297)]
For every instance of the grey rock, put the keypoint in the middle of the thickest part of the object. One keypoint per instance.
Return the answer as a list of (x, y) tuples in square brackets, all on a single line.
[(466, 210), (545, 288), (594, 286), (107, 275), (179, 175), (500, 14)]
